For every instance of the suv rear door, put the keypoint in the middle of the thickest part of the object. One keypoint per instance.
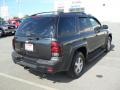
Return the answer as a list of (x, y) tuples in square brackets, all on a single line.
[(33, 37)]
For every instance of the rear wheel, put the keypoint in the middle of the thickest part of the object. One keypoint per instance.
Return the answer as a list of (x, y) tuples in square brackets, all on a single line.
[(77, 65)]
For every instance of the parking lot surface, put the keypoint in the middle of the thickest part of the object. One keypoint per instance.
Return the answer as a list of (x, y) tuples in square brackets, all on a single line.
[(101, 74)]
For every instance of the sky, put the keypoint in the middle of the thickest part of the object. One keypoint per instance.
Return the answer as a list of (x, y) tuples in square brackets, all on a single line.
[(110, 12), (28, 7)]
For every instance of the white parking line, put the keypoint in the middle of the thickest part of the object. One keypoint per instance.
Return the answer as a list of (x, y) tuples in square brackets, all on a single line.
[(27, 82)]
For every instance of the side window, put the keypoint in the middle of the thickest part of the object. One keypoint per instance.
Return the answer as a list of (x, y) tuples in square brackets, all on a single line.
[(66, 26), (94, 22), (83, 23)]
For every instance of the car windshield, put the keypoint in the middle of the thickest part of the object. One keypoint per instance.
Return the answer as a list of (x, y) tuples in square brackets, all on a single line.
[(37, 26)]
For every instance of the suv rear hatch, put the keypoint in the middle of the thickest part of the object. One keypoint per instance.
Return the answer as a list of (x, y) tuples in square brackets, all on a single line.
[(33, 37)]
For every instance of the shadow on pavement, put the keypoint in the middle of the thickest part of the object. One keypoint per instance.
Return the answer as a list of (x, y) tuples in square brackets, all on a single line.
[(6, 36), (62, 77)]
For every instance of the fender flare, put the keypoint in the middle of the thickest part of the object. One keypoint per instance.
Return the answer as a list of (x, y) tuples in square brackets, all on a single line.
[(73, 50)]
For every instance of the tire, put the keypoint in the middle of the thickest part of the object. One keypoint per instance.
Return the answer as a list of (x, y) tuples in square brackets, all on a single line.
[(1, 33), (108, 44), (12, 33), (77, 66)]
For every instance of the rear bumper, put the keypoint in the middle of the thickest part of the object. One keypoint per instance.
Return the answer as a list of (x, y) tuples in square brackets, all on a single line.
[(46, 66)]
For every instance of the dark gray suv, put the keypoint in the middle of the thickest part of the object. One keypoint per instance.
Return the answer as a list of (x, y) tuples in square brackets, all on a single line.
[(52, 43)]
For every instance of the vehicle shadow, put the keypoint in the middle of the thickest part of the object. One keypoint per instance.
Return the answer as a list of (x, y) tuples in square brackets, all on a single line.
[(62, 77), (6, 36)]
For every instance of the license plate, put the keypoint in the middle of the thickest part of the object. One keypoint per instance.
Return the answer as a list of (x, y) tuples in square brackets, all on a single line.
[(28, 47)]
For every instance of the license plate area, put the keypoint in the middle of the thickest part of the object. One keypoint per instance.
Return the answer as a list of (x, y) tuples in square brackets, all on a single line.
[(29, 47)]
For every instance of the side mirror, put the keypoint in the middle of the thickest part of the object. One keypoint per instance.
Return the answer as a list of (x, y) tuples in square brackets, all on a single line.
[(97, 29), (105, 26)]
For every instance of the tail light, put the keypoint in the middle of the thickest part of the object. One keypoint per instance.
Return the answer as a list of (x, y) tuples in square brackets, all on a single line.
[(13, 43), (50, 69), (55, 49)]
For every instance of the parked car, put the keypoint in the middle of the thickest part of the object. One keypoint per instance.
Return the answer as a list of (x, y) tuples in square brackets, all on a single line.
[(15, 22), (6, 28), (60, 42)]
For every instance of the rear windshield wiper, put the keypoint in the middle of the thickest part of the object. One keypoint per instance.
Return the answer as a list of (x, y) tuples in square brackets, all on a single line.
[(30, 34), (33, 36)]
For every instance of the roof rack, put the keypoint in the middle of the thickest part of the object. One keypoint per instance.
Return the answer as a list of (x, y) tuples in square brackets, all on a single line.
[(43, 13)]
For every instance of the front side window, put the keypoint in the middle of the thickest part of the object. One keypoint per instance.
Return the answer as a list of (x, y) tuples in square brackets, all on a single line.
[(94, 22)]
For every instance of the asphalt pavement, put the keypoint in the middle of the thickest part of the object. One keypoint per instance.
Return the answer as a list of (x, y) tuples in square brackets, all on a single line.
[(101, 74)]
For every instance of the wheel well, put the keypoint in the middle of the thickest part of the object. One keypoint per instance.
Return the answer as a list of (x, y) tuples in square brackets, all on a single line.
[(2, 30), (83, 50)]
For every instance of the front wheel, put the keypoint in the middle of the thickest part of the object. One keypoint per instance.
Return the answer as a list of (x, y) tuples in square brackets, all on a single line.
[(108, 45), (1, 33), (77, 65)]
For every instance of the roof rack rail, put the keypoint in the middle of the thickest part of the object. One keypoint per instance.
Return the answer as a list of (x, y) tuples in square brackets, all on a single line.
[(51, 12)]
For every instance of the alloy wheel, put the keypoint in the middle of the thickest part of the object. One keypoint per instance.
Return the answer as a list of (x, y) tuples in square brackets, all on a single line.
[(78, 65)]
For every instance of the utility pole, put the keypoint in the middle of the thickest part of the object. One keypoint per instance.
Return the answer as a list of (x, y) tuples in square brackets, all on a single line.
[(19, 8), (4, 10)]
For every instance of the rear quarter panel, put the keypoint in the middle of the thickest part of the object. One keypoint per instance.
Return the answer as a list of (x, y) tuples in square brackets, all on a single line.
[(69, 46)]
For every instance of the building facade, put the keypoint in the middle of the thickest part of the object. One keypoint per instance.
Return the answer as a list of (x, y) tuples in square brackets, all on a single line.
[(105, 10)]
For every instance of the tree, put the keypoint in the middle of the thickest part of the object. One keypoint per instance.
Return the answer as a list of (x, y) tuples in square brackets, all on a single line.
[(26, 16), (1, 20), (15, 17)]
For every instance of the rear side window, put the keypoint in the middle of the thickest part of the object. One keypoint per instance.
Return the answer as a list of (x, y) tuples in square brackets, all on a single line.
[(83, 23), (37, 26), (66, 26)]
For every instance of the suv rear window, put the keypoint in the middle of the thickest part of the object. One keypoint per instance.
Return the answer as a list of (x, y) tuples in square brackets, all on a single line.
[(37, 26)]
